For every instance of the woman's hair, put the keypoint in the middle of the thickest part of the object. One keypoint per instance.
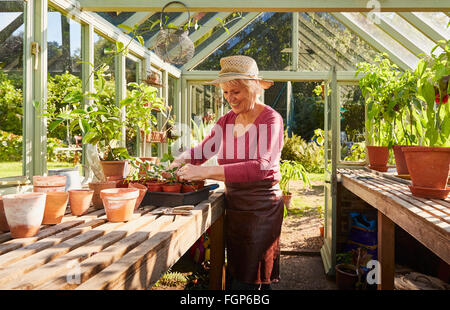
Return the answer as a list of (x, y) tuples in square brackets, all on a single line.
[(253, 87)]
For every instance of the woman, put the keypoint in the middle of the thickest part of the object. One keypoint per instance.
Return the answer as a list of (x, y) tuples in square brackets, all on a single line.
[(248, 141)]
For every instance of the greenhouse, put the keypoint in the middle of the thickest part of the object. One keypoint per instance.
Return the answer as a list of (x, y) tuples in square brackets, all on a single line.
[(90, 86)]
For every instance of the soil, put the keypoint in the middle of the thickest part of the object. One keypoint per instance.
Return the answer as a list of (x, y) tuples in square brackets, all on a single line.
[(301, 264)]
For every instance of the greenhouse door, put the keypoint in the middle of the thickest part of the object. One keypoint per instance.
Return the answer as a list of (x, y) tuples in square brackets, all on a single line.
[(328, 250)]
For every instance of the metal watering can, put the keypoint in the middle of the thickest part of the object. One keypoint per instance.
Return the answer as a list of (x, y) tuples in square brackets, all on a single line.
[(73, 180)]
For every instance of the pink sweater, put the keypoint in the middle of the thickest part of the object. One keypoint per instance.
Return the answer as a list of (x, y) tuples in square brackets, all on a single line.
[(250, 157)]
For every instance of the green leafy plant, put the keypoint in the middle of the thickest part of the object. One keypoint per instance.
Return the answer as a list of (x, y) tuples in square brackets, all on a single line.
[(433, 89), (309, 154), (291, 170), (378, 86)]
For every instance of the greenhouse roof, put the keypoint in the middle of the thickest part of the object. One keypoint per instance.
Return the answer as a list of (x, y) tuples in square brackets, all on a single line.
[(327, 32)]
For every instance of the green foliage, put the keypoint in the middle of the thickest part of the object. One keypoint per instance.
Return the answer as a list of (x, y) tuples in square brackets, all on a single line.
[(10, 146), (171, 278), (11, 111), (357, 152), (290, 171), (142, 99), (378, 87), (309, 154), (433, 88)]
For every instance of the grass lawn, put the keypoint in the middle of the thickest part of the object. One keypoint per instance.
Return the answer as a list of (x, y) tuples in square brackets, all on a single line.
[(14, 168), (309, 201)]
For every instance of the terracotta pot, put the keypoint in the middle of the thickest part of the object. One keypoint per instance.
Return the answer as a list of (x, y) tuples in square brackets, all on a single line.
[(192, 186), (113, 168), (400, 161), (3, 222), (142, 192), (154, 186), (55, 207), (120, 181), (429, 169), (346, 276), (24, 213), (80, 200), (171, 187), (287, 200), (378, 157), (119, 203), (321, 230), (97, 187), (53, 183)]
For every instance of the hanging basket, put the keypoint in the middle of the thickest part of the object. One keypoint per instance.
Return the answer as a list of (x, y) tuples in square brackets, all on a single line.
[(174, 45)]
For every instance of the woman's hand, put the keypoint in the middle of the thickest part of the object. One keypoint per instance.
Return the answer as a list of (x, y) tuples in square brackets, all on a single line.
[(191, 172)]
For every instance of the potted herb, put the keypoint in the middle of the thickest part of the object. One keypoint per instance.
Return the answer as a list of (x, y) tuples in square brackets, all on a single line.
[(291, 170), (171, 185), (428, 163), (378, 86), (407, 117)]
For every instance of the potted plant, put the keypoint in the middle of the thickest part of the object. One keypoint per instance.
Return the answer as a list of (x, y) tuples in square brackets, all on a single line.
[(291, 170), (171, 185), (141, 102), (428, 163), (406, 117), (378, 87)]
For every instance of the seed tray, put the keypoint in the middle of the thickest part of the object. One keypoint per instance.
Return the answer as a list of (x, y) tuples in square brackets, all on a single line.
[(164, 199)]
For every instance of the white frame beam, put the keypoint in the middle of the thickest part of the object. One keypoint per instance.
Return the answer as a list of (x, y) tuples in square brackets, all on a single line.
[(279, 76), (138, 18), (267, 6)]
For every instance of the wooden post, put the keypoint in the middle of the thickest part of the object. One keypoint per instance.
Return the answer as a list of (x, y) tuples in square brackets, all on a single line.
[(386, 251), (217, 271)]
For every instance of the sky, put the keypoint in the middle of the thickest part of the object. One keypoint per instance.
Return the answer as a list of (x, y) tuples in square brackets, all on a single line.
[(53, 32)]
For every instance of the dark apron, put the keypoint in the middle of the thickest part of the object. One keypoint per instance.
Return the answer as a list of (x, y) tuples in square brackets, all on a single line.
[(253, 219)]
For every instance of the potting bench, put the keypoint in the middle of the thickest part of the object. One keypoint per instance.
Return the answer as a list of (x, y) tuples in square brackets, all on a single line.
[(88, 252), (427, 220)]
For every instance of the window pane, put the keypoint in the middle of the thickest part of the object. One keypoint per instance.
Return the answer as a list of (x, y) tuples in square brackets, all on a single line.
[(267, 39), (351, 123), (130, 68), (103, 56), (11, 80), (64, 76)]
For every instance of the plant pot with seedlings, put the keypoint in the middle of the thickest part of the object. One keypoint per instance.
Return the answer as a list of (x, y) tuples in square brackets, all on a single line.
[(291, 170), (171, 184)]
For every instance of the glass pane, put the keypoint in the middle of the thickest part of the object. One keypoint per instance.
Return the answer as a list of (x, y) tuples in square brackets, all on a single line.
[(307, 110), (437, 20), (102, 55), (351, 123), (267, 39), (64, 76), (130, 75), (367, 25), (11, 86), (324, 41), (407, 30)]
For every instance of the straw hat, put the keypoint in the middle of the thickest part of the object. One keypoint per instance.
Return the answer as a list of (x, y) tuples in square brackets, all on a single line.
[(239, 67)]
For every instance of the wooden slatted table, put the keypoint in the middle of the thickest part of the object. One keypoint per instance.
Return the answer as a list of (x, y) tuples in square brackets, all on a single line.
[(427, 220), (88, 252)]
